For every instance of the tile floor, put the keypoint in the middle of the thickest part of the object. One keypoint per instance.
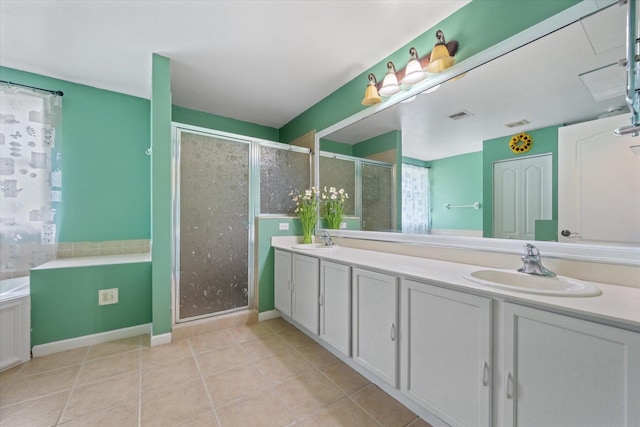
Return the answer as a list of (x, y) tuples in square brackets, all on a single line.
[(265, 374)]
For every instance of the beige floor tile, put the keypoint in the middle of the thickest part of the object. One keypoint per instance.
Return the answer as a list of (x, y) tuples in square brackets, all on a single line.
[(222, 359), (165, 353), (44, 411), (308, 392), (250, 332), (266, 410), (125, 415), (39, 385), (168, 374), (279, 325), (8, 377), (106, 367), (102, 395), (114, 347), (296, 338), (386, 410), (266, 346), (344, 413), (208, 419), (316, 354), (54, 361), (216, 324), (234, 384), (181, 332), (281, 367), (211, 341), (344, 377), (173, 405), (419, 422)]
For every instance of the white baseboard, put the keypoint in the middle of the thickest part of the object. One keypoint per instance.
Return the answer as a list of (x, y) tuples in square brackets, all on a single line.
[(160, 339), (266, 315), (88, 340)]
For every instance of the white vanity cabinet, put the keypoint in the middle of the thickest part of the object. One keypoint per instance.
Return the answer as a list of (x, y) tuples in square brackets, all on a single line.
[(297, 287), (335, 305), (562, 371), (282, 281), (446, 352), (375, 323), (306, 290)]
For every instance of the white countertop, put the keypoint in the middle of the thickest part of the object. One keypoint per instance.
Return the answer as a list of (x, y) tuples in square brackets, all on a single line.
[(619, 305), (91, 261)]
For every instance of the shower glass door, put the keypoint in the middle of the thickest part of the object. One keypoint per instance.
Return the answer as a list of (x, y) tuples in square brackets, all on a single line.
[(212, 224)]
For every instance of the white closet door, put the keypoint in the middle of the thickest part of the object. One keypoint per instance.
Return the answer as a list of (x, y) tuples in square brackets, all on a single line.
[(522, 193), (598, 183)]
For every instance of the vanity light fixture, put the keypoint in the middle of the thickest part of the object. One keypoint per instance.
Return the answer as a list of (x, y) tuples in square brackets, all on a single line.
[(371, 96), (390, 84), (414, 72), (441, 59)]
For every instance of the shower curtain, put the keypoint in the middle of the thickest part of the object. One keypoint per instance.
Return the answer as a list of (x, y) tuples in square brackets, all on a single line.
[(30, 178)]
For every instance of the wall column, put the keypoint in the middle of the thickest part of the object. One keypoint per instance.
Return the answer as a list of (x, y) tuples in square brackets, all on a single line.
[(161, 209)]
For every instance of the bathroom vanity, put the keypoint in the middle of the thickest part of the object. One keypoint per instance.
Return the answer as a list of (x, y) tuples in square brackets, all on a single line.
[(462, 353)]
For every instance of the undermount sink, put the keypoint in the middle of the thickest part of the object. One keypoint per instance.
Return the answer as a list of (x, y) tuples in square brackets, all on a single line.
[(533, 284), (313, 246)]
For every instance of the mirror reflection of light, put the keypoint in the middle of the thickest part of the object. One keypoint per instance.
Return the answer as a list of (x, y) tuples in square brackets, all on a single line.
[(431, 89)]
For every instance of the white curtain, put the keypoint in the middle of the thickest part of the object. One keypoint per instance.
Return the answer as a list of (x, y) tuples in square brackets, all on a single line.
[(30, 178), (415, 199)]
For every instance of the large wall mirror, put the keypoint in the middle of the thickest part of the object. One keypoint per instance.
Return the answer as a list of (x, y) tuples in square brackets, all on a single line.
[(566, 90)]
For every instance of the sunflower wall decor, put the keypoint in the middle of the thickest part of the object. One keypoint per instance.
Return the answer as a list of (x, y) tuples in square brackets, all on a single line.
[(521, 143)]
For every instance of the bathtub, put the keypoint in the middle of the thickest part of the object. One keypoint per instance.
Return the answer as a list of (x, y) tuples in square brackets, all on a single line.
[(15, 322)]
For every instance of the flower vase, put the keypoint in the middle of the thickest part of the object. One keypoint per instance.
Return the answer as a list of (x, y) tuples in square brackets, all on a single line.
[(306, 235)]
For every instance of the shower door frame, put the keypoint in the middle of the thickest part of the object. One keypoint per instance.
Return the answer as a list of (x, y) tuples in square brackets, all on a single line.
[(253, 200)]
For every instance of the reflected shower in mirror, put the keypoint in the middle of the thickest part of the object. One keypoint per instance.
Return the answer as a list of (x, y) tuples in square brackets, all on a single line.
[(467, 133)]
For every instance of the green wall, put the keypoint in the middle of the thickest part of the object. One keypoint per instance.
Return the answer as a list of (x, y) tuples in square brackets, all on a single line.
[(64, 301), (336, 147), (105, 171), (545, 140), (477, 26), (224, 124), (456, 180), (161, 182)]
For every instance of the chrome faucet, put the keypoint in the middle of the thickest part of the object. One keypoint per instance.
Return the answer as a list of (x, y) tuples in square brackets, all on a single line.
[(327, 238), (533, 262)]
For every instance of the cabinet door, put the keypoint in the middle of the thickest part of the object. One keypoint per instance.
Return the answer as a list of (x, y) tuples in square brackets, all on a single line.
[(375, 323), (446, 350), (561, 371), (282, 282), (335, 305), (306, 291)]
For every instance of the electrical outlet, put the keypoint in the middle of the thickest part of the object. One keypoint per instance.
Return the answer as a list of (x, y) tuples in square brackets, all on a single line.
[(108, 296), (283, 226)]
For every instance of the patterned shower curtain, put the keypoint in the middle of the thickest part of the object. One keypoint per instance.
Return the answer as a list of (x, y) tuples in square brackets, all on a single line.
[(30, 178), (415, 199)]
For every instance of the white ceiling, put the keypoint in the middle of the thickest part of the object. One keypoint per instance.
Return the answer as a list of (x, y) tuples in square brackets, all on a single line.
[(260, 61), (539, 83)]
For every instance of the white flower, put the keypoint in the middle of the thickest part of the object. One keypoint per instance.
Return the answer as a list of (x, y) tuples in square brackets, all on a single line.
[(333, 197)]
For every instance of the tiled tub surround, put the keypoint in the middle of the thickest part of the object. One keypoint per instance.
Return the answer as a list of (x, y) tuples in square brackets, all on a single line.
[(108, 247), (266, 374), (77, 250)]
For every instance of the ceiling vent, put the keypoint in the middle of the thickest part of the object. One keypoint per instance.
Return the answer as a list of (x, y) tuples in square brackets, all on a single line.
[(518, 123), (461, 115)]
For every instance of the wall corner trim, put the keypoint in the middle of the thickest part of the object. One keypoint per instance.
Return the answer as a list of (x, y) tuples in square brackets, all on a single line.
[(266, 315), (160, 339)]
